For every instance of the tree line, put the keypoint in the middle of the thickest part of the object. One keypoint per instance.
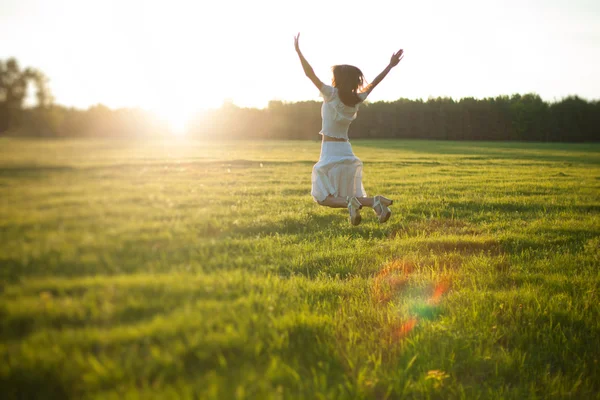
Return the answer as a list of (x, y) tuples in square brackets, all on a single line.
[(516, 118), (47, 119)]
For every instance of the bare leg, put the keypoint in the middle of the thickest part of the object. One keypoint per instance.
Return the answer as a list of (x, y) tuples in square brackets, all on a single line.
[(334, 202), (370, 202), (366, 201), (340, 202)]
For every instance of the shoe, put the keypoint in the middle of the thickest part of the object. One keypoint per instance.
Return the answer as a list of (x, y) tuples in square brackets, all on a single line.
[(382, 203), (353, 207)]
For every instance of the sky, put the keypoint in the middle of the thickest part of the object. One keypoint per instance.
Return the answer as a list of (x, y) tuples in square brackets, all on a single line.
[(176, 57)]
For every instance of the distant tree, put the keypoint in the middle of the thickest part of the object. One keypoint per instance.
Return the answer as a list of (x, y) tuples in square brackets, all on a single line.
[(14, 82), (575, 120)]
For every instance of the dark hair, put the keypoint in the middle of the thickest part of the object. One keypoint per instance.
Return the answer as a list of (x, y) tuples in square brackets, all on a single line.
[(348, 79)]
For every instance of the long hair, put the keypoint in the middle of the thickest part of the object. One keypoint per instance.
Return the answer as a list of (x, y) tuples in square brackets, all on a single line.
[(348, 79)]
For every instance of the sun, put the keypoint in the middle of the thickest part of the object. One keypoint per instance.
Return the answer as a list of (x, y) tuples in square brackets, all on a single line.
[(175, 116), (178, 114), (177, 121)]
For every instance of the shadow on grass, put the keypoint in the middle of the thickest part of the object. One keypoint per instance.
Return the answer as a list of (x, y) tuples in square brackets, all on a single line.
[(549, 284), (573, 342), (448, 226), (17, 327), (11, 271), (312, 224), (38, 382), (464, 246), (32, 170), (524, 209), (544, 243)]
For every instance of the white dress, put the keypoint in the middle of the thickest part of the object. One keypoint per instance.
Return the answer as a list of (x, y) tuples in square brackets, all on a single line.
[(339, 171)]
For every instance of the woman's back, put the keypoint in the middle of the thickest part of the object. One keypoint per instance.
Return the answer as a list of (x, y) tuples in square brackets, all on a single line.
[(337, 116)]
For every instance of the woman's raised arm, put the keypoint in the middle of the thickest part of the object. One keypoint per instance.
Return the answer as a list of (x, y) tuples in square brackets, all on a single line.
[(306, 66), (396, 57)]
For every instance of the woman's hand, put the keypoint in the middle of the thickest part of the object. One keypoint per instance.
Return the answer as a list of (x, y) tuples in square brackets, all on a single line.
[(296, 44), (306, 66), (396, 57)]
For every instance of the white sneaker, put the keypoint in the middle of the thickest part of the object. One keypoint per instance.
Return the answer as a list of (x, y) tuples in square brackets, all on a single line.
[(353, 208), (382, 203)]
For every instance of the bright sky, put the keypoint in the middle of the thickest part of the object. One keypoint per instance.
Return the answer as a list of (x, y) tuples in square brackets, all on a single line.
[(176, 57)]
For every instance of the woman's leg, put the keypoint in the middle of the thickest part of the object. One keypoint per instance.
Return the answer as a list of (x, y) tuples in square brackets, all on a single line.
[(334, 202), (341, 202), (370, 202), (366, 201)]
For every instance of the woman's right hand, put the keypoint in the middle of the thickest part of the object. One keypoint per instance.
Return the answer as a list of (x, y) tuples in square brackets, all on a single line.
[(296, 44), (396, 57)]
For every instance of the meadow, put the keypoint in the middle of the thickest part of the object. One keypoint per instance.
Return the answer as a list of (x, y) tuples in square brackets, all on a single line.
[(204, 270)]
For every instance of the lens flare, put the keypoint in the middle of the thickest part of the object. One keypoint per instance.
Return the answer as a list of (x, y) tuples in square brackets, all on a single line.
[(390, 280), (388, 284), (402, 331), (441, 288)]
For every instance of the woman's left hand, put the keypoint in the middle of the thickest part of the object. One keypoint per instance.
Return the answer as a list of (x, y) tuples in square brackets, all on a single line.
[(396, 57)]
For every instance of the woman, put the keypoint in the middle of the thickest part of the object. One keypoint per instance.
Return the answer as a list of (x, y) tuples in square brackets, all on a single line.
[(337, 177)]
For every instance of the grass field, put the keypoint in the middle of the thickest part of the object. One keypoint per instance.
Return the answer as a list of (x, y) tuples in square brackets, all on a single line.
[(205, 270)]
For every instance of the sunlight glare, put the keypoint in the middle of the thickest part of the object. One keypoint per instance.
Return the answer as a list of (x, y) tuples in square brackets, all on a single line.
[(175, 118), (179, 114)]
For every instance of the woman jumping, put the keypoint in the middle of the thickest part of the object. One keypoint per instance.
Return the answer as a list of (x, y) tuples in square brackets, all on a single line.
[(337, 177)]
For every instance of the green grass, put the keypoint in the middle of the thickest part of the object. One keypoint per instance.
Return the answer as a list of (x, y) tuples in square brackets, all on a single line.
[(205, 270)]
